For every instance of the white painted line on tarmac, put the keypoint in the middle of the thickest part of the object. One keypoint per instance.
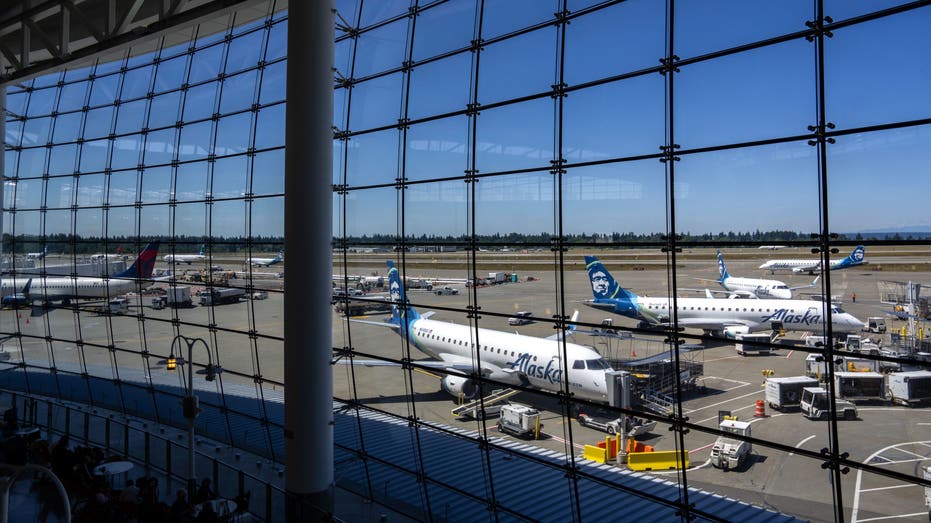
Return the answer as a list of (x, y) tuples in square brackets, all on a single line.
[(913, 453), (800, 443), (723, 402), (892, 517), (890, 462), (855, 509), (887, 488), (789, 355)]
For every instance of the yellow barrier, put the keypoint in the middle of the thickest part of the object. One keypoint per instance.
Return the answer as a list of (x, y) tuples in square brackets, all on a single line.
[(594, 453), (658, 460)]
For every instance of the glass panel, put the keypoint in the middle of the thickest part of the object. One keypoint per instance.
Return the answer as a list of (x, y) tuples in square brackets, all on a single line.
[(268, 217), (861, 76), (14, 132), (436, 149), (159, 147), (381, 49), (245, 51), (126, 152), (29, 193), (200, 101), (739, 83), (269, 130), (630, 35), (506, 16), (229, 218), (515, 137), (131, 117), (614, 120), (206, 63), (94, 155), (372, 158), (840, 10), (16, 103), (268, 173), (238, 92), (196, 141), (62, 159), (169, 74), (73, 96), (36, 131), (103, 90), (191, 181), (517, 67), (41, 101), (376, 103), (375, 12), (67, 127), (700, 29), (234, 134), (164, 110), (98, 122), (91, 190), (273, 83), (156, 185), (32, 162), (136, 82), (230, 177), (440, 87), (277, 41), (59, 192), (122, 188), (442, 28)]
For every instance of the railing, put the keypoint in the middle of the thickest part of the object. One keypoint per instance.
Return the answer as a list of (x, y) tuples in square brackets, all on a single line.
[(151, 447)]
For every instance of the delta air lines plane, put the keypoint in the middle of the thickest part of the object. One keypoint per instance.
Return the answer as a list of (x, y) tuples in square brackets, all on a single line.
[(509, 358), (719, 317)]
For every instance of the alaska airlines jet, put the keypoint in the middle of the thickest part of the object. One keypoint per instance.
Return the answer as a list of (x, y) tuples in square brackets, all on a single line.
[(755, 287), (66, 288), (813, 266), (186, 258), (265, 262), (509, 358), (719, 317), (37, 255)]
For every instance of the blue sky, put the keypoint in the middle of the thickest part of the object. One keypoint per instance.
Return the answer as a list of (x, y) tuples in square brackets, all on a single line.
[(876, 180)]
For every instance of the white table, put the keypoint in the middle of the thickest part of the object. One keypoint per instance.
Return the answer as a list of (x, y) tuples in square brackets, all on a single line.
[(222, 507), (113, 468)]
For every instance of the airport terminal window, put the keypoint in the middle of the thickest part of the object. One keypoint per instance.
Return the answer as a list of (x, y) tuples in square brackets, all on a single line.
[(486, 148)]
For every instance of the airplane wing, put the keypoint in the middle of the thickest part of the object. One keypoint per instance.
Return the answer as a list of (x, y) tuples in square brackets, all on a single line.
[(812, 284), (807, 268), (378, 323)]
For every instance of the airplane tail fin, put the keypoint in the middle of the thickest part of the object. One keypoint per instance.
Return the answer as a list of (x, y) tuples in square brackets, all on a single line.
[(722, 269), (604, 286), (144, 264), (203, 249), (856, 256), (401, 313)]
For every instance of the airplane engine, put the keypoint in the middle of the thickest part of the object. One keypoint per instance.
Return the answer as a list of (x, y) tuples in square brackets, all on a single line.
[(733, 331), (457, 385)]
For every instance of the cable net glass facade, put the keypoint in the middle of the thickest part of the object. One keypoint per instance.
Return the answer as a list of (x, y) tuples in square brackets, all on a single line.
[(542, 176)]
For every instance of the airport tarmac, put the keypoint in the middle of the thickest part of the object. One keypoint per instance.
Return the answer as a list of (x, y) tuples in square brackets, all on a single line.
[(888, 437)]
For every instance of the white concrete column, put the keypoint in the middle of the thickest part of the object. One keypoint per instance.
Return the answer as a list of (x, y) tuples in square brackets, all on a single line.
[(308, 232)]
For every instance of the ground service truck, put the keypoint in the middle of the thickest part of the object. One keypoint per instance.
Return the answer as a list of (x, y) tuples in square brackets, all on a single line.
[(815, 405), (520, 420), (731, 453), (786, 392), (860, 385), (216, 296), (910, 388)]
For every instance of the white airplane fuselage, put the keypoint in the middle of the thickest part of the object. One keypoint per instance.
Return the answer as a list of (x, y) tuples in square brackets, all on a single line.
[(763, 289), (66, 288), (183, 258), (526, 360), (739, 315)]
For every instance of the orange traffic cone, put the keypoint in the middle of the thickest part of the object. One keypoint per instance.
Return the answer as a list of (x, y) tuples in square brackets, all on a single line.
[(633, 352)]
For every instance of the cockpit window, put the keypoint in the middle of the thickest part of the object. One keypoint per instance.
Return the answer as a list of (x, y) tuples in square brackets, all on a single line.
[(578, 364), (781, 287), (597, 364), (837, 310)]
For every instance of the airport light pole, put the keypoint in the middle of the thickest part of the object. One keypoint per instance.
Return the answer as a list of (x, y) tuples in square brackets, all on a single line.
[(189, 405)]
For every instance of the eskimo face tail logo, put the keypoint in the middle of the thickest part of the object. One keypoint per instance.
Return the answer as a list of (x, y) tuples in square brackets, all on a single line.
[(857, 254), (722, 270)]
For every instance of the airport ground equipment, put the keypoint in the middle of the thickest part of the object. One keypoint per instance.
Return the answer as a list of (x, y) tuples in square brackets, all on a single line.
[(754, 344), (215, 296), (927, 476), (492, 404), (815, 366), (446, 290), (910, 388), (634, 426), (860, 386), (658, 460), (118, 305), (876, 324), (786, 392), (520, 420), (731, 453), (815, 405)]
